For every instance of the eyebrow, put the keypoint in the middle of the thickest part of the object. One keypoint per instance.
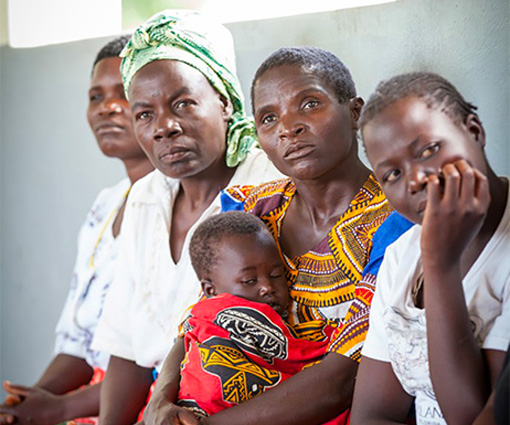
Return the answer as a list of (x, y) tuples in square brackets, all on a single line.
[(98, 87), (301, 93), (178, 93), (388, 161)]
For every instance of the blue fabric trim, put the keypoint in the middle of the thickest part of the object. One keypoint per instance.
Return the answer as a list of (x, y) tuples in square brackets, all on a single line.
[(230, 204), (392, 228)]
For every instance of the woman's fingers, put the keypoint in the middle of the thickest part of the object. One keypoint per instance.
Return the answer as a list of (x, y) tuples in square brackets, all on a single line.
[(18, 390), (6, 419)]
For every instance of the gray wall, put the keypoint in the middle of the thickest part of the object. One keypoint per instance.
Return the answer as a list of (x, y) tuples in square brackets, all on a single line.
[(50, 168), (50, 172)]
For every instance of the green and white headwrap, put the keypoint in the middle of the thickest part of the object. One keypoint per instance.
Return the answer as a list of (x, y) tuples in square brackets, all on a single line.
[(189, 37)]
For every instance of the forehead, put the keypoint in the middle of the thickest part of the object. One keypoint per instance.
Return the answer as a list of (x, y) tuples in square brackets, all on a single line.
[(168, 76), (409, 117), (403, 125), (106, 71), (282, 83), (244, 244)]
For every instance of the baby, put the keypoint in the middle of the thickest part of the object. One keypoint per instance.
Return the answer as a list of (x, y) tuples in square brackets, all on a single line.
[(236, 340)]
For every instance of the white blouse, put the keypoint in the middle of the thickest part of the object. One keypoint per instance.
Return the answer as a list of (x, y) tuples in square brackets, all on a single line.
[(92, 276), (150, 292), (398, 330)]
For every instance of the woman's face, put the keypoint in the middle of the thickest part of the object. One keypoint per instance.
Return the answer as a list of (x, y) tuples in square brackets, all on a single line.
[(301, 125), (409, 141), (108, 112), (180, 119)]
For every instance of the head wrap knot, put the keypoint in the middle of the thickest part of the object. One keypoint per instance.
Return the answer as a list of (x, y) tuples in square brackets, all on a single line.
[(189, 37)]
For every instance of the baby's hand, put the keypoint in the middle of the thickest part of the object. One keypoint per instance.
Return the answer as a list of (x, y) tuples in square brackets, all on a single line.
[(455, 212)]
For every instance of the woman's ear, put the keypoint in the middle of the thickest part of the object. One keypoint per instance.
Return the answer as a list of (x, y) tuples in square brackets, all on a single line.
[(208, 288), (475, 128), (227, 108), (355, 105)]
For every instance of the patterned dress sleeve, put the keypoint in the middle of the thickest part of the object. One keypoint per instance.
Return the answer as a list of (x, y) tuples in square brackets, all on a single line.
[(350, 335)]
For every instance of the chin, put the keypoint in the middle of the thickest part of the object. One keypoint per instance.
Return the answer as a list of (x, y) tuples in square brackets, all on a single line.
[(110, 149)]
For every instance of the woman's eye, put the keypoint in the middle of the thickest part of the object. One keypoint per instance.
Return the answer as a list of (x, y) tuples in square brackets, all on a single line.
[(182, 104), (95, 97), (311, 104), (267, 119), (142, 115), (429, 150), (391, 176)]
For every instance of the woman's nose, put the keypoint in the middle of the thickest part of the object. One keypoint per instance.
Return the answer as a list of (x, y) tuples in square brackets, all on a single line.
[(166, 128), (290, 128), (417, 180), (110, 107)]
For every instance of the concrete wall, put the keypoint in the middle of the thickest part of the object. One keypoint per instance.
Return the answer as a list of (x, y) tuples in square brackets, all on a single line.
[(50, 172), (50, 168)]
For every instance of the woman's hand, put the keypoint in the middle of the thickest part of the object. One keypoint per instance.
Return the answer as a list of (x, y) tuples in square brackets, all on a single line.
[(454, 214), (10, 400), (31, 405), (161, 412)]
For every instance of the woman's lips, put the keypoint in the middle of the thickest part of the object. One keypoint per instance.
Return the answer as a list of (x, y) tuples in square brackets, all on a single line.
[(109, 127), (298, 150), (173, 154)]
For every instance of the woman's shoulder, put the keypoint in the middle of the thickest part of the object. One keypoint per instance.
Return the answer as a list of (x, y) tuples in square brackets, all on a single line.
[(257, 199), (113, 193)]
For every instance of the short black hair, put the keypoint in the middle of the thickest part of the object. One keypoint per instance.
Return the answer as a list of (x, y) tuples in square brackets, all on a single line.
[(434, 90), (204, 242), (112, 49), (327, 67)]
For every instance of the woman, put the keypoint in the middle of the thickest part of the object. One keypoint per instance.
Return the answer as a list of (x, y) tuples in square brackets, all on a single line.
[(439, 326), (179, 74), (76, 363), (323, 218)]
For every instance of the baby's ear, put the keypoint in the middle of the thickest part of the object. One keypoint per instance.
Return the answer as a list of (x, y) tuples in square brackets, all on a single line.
[(208, 288)]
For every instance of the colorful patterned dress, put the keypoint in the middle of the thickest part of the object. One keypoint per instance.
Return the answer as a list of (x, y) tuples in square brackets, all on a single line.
[(324, 283)]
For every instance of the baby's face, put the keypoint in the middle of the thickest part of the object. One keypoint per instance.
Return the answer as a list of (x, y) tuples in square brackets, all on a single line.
[(249, 266)]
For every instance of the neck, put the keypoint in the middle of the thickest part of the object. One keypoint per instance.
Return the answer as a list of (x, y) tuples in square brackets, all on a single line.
[(203, 188), (136, 168), (330, 195)]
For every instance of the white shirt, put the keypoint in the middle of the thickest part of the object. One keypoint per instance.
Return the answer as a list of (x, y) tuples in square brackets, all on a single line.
[(397, 332), (92, 275), (150, 292)]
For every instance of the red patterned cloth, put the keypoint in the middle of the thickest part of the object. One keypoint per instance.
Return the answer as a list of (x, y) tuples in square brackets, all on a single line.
[(237, 349)]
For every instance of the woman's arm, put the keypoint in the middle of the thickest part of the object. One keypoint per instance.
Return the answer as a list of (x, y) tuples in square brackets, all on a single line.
[(65, 373), (452, 221), (161, 409), (313, 396), (379, 399), (39, 406), (124, 392), (46, 400)]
